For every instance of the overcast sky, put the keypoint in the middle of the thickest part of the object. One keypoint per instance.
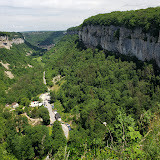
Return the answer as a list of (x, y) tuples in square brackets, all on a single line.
[(36, 15)]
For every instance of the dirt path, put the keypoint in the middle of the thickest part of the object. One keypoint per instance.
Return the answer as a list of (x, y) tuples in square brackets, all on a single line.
[(5, 65), (45, 97), (44, 79), (9, 74), (32, 121), (65, 130)]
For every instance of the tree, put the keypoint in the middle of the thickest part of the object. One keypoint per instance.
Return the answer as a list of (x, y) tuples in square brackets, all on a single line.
[(27, 151), (2, 128), (21, 122), (25, 101), (53, 96), (59, 139), (40, 140), (19, 110), (44, 114)]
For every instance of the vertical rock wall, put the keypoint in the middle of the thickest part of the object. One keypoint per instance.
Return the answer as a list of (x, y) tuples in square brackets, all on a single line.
[(122, 40), (6, 43)]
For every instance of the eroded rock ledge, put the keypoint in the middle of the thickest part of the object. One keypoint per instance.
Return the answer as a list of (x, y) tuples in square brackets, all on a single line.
[(6, 43)]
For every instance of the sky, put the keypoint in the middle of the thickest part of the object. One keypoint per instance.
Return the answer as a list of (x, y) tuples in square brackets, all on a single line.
[(43, 15)]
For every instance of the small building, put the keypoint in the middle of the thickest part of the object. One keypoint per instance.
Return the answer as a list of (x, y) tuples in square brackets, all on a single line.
[(57, 117), (36, 104), (15, 105), (40, 104)]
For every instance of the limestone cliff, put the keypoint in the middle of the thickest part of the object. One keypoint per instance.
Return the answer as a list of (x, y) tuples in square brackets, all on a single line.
[(6, 43), (122, 40), (72, 32)]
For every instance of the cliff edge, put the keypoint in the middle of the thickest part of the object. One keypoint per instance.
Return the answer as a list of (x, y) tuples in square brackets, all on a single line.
[(122, 40), (135, 33), (9, 38), (6, 43)]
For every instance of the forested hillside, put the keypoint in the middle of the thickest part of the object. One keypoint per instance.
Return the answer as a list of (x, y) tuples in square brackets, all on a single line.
[(20, 73), (25, 131), (43, 38), (148, 19), (11, 34), (112, 104)]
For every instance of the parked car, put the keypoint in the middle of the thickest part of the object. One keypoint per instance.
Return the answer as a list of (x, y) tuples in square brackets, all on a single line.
[(69, 127)]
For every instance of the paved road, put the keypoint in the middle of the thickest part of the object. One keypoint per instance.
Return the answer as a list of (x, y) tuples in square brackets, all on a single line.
[(65, 130), (45, 97)]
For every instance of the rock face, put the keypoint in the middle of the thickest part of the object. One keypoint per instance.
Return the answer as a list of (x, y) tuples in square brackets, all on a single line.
[(122, 40), (72, 32), (6, 43)]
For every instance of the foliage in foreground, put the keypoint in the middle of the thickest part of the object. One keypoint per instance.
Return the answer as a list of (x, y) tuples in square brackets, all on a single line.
[(19, 140)]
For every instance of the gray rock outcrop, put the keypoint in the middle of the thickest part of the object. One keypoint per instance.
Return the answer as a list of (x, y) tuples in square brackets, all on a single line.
[(122, 40), (6, 43)]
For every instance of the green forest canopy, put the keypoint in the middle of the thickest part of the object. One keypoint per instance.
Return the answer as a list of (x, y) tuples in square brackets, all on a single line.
[(100, 87), (41, 38), (27, 80), (11, 35), (148, 19), (97, 87)]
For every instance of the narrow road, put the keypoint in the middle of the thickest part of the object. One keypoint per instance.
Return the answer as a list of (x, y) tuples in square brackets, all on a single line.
[(45, 98), (65, 130)]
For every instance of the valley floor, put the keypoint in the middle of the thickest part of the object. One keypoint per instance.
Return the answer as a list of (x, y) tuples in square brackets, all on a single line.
[(46, 101)]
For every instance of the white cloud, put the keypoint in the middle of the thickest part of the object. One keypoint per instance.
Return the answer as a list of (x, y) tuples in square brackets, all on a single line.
[(20, 15)]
